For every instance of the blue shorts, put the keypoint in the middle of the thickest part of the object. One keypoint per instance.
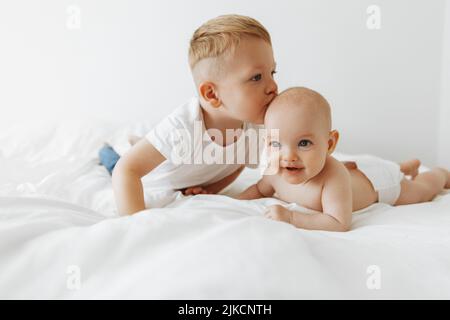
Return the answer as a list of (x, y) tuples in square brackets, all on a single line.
[(108, 157)]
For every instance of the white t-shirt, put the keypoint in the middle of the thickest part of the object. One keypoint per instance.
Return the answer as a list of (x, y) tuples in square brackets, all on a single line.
[(191, 155)]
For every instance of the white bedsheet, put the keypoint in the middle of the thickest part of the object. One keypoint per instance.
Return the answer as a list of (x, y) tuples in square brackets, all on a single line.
[(58, 225)]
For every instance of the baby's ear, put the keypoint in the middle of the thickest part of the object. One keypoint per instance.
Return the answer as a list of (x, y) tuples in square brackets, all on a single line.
[(333, 139), (208, 92)]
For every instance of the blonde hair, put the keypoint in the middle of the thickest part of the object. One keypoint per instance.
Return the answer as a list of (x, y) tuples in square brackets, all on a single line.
[(221, 34)]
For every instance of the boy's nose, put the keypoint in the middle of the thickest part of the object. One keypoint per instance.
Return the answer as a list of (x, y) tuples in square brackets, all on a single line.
[(272, 88)]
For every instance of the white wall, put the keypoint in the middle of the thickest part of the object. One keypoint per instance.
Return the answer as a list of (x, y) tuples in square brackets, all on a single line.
[(444, 130), (127, 63)]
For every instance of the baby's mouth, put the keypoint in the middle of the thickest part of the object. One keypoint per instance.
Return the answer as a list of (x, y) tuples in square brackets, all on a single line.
[(293, 169)]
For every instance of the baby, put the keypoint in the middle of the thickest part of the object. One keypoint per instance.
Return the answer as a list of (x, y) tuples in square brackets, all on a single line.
[(302, 170)]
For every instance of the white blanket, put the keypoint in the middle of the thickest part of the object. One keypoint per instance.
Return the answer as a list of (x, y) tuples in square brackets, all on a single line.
[(61, 238)]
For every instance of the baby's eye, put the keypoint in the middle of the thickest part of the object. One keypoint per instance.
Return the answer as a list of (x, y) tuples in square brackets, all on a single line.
[(304, 143), (274, 72), (274, 144), (257, 77)]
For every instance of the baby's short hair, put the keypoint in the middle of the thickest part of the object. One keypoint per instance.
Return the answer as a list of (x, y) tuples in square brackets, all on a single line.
[(221, 34)]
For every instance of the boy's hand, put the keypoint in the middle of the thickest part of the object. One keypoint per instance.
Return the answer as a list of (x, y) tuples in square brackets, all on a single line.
[(192, 191), (279, 213)]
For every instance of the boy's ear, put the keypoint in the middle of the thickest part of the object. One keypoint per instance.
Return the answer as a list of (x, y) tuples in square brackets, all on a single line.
[(332, 141), (208, 92)]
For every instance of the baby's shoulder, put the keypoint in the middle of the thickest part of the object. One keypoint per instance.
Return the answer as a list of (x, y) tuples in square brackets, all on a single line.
[(334, 170)]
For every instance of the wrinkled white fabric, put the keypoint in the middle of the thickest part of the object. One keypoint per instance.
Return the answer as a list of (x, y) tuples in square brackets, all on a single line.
[(58, 226)]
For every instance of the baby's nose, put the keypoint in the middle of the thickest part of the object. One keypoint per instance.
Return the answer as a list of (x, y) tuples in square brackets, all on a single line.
[(290, 157)]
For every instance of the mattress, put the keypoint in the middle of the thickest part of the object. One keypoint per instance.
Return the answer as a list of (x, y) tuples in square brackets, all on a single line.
[(61, 236)]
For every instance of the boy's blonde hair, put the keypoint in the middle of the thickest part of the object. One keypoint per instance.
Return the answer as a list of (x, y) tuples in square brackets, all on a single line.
[(220, 34)]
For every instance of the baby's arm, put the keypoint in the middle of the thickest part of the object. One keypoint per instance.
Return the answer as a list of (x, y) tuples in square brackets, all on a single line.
[(337, 200), (336, 205), (263, 188), (142, 158)]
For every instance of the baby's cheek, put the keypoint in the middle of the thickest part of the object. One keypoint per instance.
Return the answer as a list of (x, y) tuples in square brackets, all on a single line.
[(273, 153), (274, 158)]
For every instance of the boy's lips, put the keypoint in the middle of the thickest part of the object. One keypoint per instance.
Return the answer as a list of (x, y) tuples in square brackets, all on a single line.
[(268, 103)]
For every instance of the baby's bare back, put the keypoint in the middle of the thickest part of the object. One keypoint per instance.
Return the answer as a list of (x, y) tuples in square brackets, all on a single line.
[(363, 192)]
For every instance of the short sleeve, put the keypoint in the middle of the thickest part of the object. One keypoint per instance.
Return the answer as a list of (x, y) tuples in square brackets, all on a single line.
[(161, 137), (172, 137)]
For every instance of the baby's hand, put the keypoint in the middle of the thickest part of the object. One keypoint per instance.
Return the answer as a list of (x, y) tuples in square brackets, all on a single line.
[(279, 213), (192, 191)]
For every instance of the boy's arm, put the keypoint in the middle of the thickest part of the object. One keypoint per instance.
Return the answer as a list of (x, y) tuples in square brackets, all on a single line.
[(142, 158), (218, 186), (213, 188), (263, 188), (337, 207)]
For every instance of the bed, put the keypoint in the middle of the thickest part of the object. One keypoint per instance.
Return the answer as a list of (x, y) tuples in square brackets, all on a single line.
[(61, 238)]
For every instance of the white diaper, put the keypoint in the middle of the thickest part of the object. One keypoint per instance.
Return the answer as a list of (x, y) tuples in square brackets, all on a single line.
[(384, 175)]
